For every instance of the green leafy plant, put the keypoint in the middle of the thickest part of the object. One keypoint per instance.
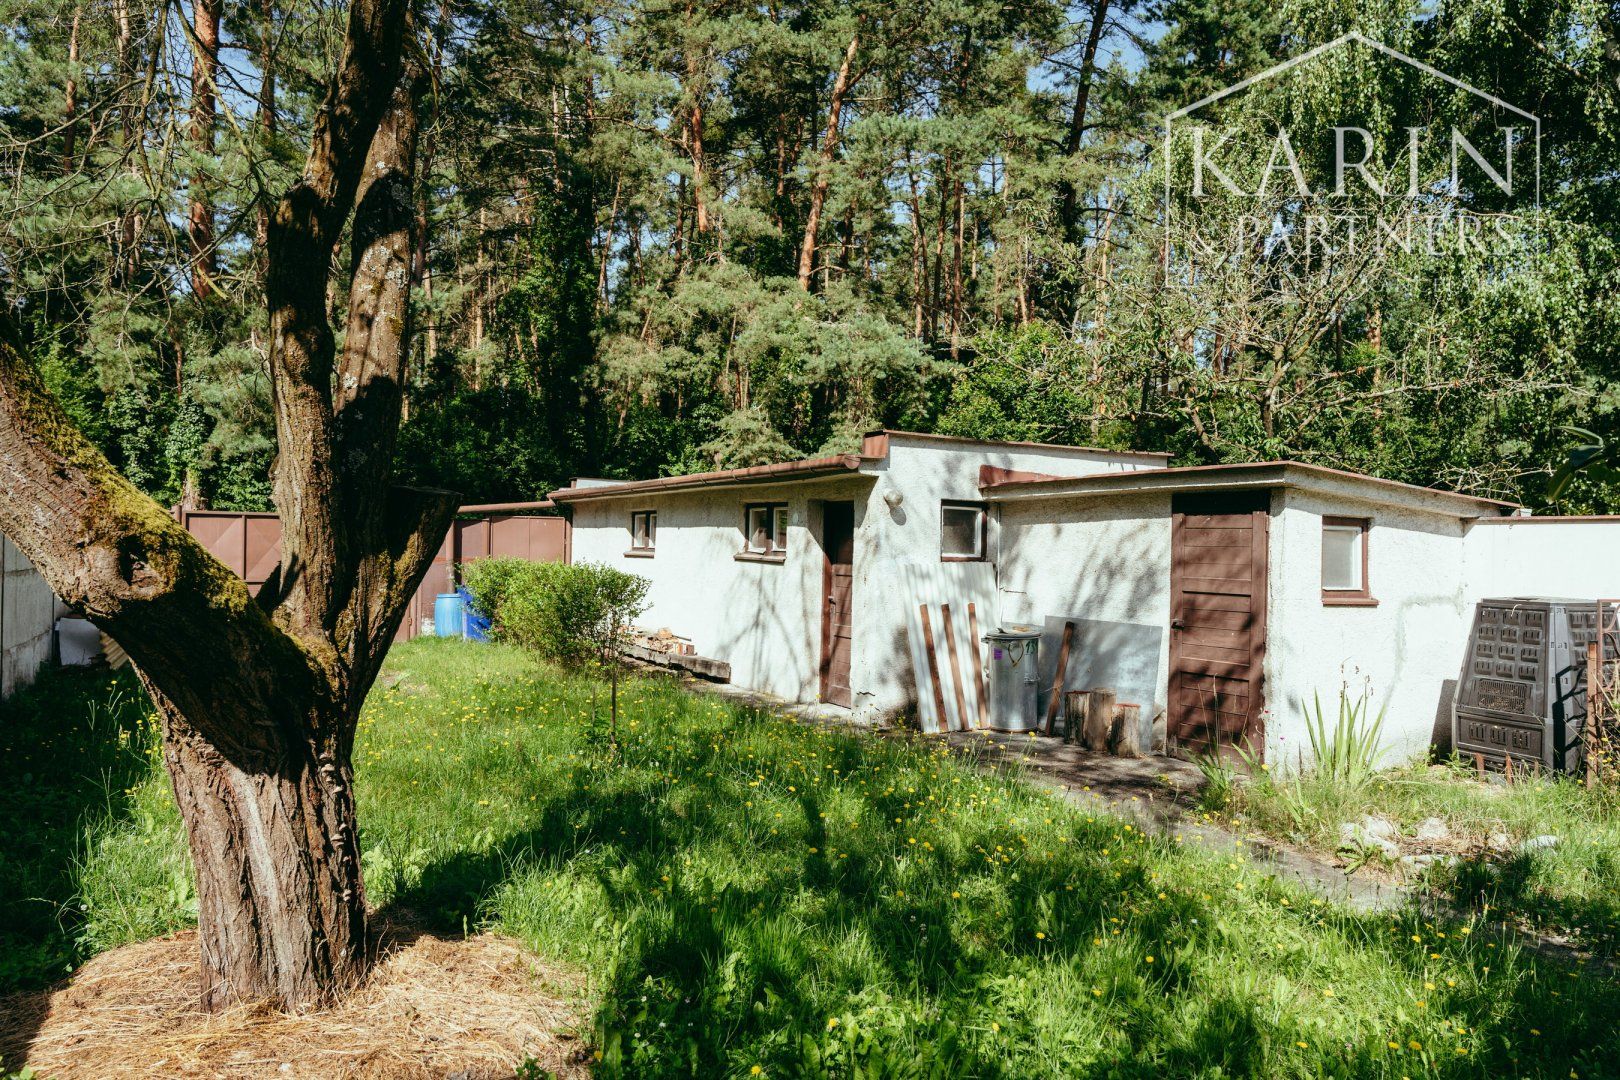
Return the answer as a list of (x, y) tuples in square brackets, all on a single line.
[(1592, 456), (1220, 780), (1345, 748)]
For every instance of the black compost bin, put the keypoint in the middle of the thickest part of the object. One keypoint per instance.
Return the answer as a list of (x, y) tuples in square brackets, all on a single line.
[(1522, 693)]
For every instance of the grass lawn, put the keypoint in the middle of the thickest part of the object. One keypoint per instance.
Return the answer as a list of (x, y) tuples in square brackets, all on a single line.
[(750, 896), (1571, 889)]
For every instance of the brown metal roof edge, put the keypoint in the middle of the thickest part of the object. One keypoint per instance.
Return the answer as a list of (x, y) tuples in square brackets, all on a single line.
[(1157, 454), (1166, 478), (507, 507), (752, 474)]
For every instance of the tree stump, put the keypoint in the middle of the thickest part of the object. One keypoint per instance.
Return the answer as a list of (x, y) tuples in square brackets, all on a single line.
[(1125, 735), (1074, 708), (1098, 720)]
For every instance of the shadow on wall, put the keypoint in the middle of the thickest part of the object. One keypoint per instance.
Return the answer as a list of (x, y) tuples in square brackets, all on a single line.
[(1440, 737), (785, 629), (1063, 566), (1116, 590)]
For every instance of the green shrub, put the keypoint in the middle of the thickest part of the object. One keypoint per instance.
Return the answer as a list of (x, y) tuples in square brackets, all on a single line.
[(569, 614), (490, 582)]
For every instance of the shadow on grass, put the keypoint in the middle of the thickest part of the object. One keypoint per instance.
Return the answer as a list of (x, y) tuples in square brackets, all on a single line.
[(828, 964), (71, 746), (1512, 887)]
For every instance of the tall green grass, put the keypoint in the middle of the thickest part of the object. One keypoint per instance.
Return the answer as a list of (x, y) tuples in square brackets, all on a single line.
[(89, 858), (750, 896)]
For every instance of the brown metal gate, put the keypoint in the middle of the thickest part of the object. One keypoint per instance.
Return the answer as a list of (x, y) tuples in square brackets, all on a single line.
[(1218, 569), (249, 544)]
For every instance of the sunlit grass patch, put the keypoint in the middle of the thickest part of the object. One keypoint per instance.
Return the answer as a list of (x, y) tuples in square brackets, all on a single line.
[(746, 892), (1570, 887)]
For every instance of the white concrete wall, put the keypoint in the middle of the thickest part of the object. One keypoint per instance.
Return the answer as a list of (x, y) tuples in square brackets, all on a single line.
[(27, 614), (1568, 557), (905, 570), (1104, 563), (1405, 653), (1427, 570), (765, 620)]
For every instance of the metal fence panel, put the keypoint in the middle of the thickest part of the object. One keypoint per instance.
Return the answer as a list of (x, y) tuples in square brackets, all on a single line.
[(249, 544)]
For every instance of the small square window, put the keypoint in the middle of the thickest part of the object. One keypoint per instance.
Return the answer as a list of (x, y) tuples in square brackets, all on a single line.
[(961, 531), (1344, 560), (643, 530), (765, 529)]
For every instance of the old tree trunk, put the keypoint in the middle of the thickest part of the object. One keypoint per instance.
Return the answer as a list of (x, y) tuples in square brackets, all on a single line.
[(259, 697)]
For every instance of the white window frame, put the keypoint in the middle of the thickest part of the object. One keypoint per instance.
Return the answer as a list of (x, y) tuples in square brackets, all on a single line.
[(775, 518), (652, 532), (981, 534)]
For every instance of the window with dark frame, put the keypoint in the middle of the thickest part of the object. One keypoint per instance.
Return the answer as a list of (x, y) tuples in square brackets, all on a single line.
[(765, 529), (962, 531), (1344, 562), (643, 532)]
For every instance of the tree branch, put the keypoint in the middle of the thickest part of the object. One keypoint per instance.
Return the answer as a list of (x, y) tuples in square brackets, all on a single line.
[(302, 233), (115, 554)]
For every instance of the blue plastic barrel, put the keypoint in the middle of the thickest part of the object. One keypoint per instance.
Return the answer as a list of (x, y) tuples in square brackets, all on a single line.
[(477, 621), (449, 615)]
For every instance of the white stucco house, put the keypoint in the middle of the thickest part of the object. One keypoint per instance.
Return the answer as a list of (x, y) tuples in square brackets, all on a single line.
[(1222, 599)]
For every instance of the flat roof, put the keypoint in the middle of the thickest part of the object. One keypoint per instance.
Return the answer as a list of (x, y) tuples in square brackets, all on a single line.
[(753, 474), (1220, 477), (875, 448), (1156, 455)]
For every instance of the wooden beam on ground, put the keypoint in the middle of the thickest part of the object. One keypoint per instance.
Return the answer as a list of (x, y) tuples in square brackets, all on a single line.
[(978, 669), (718, 670), (933, 667), (962, 717), (1057, 676)]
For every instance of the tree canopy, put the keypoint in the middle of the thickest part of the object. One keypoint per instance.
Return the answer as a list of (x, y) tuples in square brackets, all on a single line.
[(660, 237)]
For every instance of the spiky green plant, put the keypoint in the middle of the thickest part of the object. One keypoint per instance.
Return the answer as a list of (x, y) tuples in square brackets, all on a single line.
[(1345, 749)]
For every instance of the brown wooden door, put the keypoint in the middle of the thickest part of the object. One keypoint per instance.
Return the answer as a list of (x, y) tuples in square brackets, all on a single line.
[(1218, 620), (838, 589)]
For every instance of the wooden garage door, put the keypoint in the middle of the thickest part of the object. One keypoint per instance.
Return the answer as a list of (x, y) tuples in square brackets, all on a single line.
[(1218, 620), (838, 587)]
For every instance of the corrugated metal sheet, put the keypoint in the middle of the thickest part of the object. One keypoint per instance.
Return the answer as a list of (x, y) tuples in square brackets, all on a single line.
[(27, 615)]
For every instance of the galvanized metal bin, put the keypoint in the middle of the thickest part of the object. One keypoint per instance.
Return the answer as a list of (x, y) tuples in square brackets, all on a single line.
[(1014, 682), (1522, 692)]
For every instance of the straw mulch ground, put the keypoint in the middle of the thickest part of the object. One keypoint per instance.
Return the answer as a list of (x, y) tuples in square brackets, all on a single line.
[(470, 1009)]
